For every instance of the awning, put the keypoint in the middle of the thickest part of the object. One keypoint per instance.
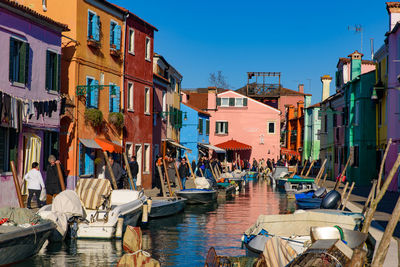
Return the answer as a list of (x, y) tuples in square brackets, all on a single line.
[(233, 145), (89, 143), (216, 149), (108, 145), (179, 145)]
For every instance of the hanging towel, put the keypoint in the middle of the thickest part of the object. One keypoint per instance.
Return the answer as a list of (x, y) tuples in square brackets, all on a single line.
[(13, 114), (62, 106), (46, 108)]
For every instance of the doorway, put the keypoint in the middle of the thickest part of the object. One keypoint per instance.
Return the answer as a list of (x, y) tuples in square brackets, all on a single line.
[(138, 154)]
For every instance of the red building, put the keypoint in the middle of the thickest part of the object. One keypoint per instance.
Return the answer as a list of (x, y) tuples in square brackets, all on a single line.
[(138, 94)]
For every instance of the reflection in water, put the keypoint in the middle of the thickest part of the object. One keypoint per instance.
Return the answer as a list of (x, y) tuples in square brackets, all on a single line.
[(180, 240)]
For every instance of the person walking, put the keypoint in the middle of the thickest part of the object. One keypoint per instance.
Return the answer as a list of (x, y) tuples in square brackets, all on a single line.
[(117, 170), (134, 166), (184, 171), (52, 184), (35, 184)]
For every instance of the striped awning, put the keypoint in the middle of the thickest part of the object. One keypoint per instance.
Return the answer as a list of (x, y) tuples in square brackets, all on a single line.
[(91, 192), (216, 149), (90, 143), (179, 145)]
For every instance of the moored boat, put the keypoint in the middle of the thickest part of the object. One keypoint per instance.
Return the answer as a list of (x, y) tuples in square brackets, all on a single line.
[(198, 196), (24, 236), (226, 190), (166, 206)]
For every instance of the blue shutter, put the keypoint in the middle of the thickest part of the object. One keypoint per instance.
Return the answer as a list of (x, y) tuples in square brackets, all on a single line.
[(116, 99), (111, 100), (117, 37), (89, 26), (81, 159), (111, 33), (94, 102), (89, 161), (88, 94), (96, 27)]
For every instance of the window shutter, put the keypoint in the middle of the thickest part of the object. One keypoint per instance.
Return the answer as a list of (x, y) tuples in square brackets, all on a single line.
[(26, 69), (89, 161), (216, 127), (116, 99), (11, 63), (94, 101), (22, 63), (110, 100), (112, 36), (88, 93), (226, 123), (218, 101), (58, 84), (231, 102), (81, 159), (245, 102), (89, 26), (117, 36), (96, 27), (48, 75)]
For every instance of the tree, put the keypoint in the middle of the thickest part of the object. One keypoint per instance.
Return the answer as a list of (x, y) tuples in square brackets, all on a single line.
[(217, 79)]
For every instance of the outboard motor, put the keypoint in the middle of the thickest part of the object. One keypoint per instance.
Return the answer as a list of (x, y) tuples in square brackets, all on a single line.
[(320, 193), (331, 200)]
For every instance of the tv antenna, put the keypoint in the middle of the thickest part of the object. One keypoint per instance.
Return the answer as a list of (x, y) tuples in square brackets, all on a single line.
[(357, 29)]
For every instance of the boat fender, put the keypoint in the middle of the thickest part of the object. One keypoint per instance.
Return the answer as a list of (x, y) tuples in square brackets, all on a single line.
[(145, 214), (120, 224), (242, 246), (331, 200), (149, 202)]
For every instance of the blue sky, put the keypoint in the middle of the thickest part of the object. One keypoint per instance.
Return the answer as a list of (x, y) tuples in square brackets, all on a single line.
[(301, 39)]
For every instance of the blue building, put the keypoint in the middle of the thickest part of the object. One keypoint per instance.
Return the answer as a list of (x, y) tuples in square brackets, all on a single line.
[(195, 131)]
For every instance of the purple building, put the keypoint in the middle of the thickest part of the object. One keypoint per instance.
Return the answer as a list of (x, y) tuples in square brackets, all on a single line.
[(30, 102)]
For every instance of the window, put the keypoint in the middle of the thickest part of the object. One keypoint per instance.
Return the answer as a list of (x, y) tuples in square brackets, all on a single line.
[(129, 150), (53, 67), (8, 147), (224, 102), (355, 154), (334, 120), (200, 126), (93, 26), (357, 113), (147, 100), (114, 98), (146, 162), (164, 101), (115, 36), (207, 127), (19, 61), (92, 93), (131, 47), (380, 113), (173, 83), (148, 54), (238, 102), (130, 96), (344, 114), (221, 127), (86, 160), (44, 5), (326, 124), (271, 127)]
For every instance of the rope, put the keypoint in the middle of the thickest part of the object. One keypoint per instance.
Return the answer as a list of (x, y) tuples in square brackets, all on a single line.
[(145, 253)]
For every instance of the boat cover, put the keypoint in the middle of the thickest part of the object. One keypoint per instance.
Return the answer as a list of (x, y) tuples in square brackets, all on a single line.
[(202, 183), (68, 202), (277, 253), (134, 255), (20, 215), (93, 192), (298, 224), (122, 196)]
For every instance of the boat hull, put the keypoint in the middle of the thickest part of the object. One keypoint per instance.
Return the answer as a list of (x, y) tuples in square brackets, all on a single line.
[(19, 245), (198, 196), (162, 208)]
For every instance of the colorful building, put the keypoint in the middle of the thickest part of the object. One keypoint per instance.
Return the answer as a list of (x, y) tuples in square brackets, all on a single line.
[(93, 63), (137, 102), (30, 98), (195, 131), (294, 131)]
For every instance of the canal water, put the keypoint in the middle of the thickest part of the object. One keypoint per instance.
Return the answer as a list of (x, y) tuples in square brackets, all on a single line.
[(181, 240)]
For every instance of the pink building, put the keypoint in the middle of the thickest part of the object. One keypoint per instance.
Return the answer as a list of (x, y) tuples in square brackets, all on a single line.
[(251, 128)]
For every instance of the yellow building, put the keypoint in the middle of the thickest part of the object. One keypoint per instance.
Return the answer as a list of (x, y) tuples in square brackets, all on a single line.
[(379, 95), (92, 67)]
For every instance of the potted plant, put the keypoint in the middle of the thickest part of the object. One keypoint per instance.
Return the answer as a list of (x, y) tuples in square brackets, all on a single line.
[(94, 117), (117, 119)]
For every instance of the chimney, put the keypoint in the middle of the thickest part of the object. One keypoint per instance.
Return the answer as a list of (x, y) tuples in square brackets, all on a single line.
[(355, 64), (393, 9), (301, 88), (326, 83), (212, 98)]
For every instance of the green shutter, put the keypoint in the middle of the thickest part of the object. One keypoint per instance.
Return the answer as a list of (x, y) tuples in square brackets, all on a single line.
[(200, 126), (231, 102), (26, 65), (207, 127), (218, 101), (22, 63), (216, 127), (245, 102), (11, 63), (226, 127)]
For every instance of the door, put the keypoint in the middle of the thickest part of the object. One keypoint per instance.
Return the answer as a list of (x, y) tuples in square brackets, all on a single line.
[(139, 157)]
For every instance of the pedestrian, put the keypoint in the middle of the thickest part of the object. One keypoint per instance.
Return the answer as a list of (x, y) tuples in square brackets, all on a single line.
[(35, 184), (254, 166), (134, 166), (157, 178), (184, 171), (118, 173), (269, 164), (52, 184), (194, 166)]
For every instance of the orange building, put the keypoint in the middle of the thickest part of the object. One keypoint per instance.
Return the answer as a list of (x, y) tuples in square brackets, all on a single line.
[(295, 131), (93, 63)]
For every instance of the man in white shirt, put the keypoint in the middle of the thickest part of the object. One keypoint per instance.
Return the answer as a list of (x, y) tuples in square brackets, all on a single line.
[(34, 183)]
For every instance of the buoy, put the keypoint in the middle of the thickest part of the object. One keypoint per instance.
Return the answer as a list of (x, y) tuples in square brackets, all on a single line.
[(149, 202), (120, 224), (145, 213)]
